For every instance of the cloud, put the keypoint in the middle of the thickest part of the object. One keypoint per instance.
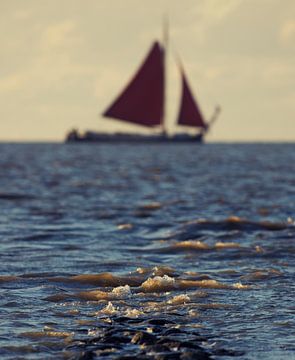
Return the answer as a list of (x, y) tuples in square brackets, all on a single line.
[(206, 15), (217, 10), (105, 80), (287, 32), (52, 63), (279, 72), (22, 14), (12, 83), (59, 35)]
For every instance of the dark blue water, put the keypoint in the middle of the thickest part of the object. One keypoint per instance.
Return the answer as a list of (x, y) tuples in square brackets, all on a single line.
[(201, 236)]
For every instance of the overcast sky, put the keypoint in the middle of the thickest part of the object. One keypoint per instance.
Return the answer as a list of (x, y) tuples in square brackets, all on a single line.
[(63, 61)]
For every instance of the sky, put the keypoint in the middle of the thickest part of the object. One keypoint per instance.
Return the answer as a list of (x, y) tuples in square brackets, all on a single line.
[(64, 61)]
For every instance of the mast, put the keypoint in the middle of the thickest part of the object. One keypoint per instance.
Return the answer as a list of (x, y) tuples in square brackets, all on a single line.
[(165, 72)]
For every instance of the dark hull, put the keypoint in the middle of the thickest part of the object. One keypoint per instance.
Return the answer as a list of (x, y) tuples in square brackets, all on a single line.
[(92, 137)]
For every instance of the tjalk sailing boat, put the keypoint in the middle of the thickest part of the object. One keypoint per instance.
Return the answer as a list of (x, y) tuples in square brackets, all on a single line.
[(142, 102)]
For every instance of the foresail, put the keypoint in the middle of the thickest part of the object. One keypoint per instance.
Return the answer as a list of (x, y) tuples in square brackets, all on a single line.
[(142, 101), (189, 112)]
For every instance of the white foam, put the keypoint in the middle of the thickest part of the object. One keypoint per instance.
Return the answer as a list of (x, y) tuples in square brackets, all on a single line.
[(122, 291), (159, 283), (110, 309), (179, 299)]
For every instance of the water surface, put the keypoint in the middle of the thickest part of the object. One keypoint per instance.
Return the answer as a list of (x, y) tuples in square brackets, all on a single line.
[(153, 251)]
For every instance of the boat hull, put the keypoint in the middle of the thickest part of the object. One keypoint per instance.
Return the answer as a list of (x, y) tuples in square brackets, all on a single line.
[(92, 137)]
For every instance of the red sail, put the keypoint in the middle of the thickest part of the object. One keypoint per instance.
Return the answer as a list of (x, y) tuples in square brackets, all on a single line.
[(189, 112), (142, 101)]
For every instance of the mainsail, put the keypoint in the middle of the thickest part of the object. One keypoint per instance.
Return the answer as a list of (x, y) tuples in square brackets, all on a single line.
[(142, 101), (189, 112)]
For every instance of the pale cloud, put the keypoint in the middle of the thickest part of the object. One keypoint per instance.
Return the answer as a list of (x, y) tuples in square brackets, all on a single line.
[(206, 15), (216, 10), (278, 72), (50, 69), (51, 63), (59, 35), (107, 80), (288, 100), (11, 83), (214, 72), (45, 72), (287, 32), (54, 60), (22, 14)]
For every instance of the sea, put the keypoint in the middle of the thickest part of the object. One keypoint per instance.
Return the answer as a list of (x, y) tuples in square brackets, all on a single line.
[(147, 251)]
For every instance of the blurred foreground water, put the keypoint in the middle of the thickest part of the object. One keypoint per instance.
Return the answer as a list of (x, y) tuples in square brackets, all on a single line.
[(147, 251)]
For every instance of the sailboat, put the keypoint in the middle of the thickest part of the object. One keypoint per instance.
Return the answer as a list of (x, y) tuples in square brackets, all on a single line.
[(143, 102)]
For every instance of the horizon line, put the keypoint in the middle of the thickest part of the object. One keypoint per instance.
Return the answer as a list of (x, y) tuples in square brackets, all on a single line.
[(218, 141)]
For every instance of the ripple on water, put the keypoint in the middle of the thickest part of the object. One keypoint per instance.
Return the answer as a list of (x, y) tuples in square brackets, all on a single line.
[(140, 255)]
